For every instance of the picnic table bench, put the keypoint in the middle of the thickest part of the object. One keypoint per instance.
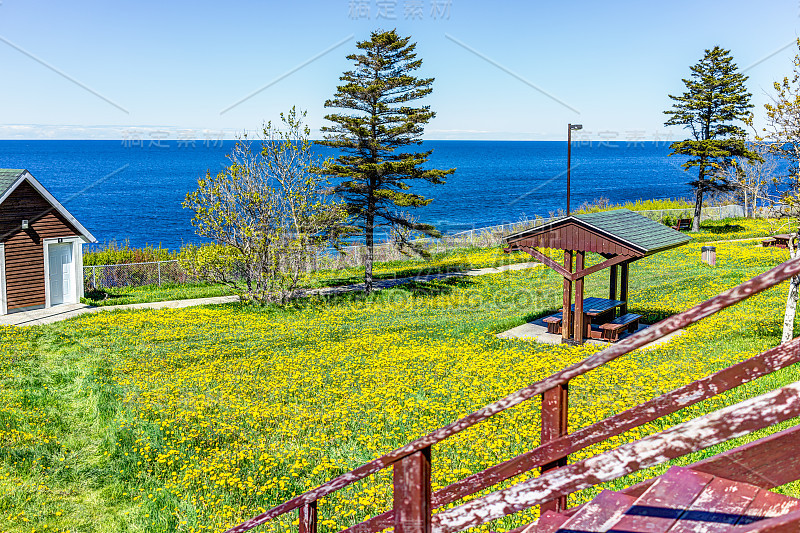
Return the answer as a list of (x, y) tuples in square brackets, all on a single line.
[(598, 309), (611, 330), (683, 224), (601, 311), (554, 323), (780, 240)]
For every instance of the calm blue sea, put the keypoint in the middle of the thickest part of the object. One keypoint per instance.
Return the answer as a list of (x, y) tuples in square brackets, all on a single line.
[(128, 192)]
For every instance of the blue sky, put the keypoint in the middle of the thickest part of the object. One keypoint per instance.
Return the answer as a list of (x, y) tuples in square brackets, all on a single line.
[(504, 70)]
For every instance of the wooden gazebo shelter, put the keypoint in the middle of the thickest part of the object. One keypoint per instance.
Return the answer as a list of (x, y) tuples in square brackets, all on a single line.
[(620, 236)]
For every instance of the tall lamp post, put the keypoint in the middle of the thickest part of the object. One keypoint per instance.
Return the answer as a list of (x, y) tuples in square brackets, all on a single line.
[(570, 128)]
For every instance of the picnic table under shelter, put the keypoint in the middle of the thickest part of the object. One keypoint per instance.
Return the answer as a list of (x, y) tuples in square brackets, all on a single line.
[(621, 237)]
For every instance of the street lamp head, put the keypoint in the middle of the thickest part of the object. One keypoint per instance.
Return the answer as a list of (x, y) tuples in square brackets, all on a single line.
[(576, 126)]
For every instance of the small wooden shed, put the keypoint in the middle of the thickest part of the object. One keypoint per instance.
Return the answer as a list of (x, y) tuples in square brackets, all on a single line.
[(620, 236), (41, 258)]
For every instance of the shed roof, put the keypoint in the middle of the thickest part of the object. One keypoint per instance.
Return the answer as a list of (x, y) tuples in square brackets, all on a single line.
[(11, 178), (629, 229)]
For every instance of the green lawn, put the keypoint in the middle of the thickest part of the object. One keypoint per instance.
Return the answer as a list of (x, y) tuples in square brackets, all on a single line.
[(154, 293), (194, 419), (457, 260)]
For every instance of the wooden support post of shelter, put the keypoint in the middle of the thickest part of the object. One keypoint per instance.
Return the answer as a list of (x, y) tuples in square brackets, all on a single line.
[(566, 331), (623, 287), (579, 318), (612, 283), (619, 237)]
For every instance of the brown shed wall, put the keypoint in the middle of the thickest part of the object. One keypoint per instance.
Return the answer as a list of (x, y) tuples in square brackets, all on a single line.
[(24, 250)]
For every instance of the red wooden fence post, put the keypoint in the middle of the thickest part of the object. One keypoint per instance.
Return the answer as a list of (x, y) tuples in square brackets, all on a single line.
[(412, 493), (554, 425), (308, 518)]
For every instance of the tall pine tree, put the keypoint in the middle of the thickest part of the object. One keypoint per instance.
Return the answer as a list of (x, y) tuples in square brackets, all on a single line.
[(715, 99), (373, 172)]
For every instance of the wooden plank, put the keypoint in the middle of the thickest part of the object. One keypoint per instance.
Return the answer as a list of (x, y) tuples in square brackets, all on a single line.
[(373, 525), (22, 258), (26, 291), (33, 292), (600, 514), (623, 288), (768, 504), (768, 462), (723, 300), (582, 273), (412, 493), (26, 270), (717, 508), (568, 232), (566, 328), (579, 334), (659, 508), (24, 300), (612, 283), (697, 434), (533, 252), (549, 522), (555, 416), (789, 523), (308, 518)]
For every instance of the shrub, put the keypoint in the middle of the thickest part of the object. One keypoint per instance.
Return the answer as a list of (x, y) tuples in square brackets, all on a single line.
[(115, 254)]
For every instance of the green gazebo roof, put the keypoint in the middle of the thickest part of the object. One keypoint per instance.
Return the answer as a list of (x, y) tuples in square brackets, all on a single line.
[(626, 227), (642, 232)]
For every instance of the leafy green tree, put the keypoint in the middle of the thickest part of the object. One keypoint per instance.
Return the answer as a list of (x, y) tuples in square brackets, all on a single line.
[(266, 215), (782, 138), (375, 168), (715, 99)]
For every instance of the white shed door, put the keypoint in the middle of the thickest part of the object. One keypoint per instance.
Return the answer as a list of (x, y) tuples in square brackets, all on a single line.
[(60, 259)]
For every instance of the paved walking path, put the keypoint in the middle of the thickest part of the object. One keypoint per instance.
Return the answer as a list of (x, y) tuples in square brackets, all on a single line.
[(63, 312)]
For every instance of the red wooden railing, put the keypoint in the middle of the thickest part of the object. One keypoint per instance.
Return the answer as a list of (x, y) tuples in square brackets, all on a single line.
[(414, 501)]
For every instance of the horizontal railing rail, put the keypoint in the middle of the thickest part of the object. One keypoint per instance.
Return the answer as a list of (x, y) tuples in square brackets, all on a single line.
[(412, 461)]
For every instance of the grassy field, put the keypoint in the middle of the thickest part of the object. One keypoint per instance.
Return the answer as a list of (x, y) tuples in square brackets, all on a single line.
[(458, 260), (195, 419)]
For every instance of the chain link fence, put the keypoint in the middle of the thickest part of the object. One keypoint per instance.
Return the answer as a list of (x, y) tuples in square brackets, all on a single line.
[(133, 274), (160, 272)]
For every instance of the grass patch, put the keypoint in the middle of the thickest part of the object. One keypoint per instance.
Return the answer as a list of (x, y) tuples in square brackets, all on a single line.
[(153, 293), (737, 228)]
